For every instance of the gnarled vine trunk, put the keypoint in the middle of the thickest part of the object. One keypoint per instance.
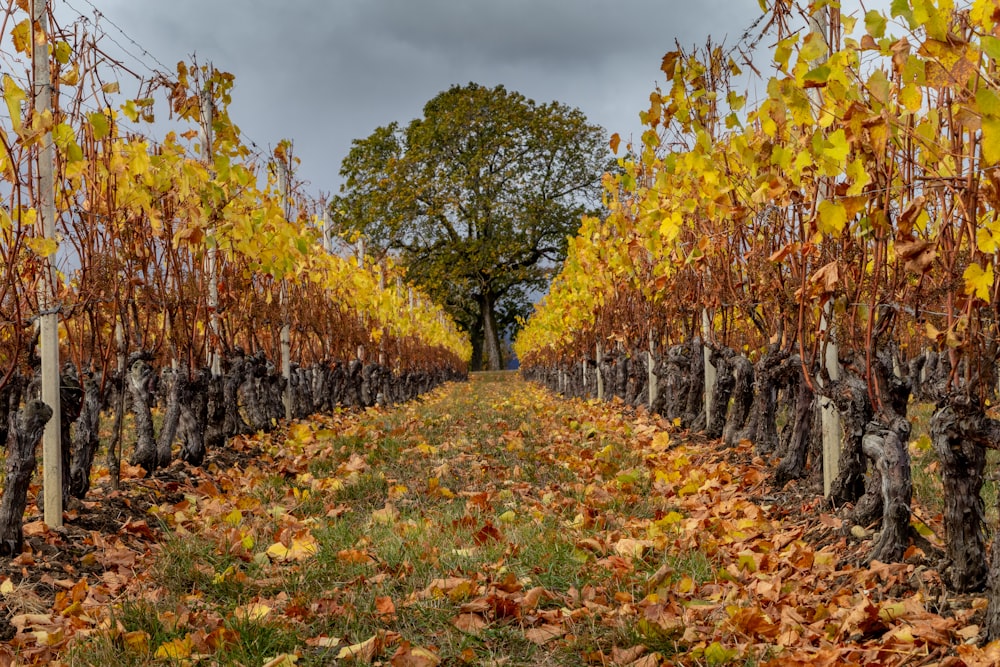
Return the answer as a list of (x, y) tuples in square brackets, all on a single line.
[(25, 428), (743, 377), (137, 380), (887, 445), (793, 464), (85, 437), (725, 383), (192, 400), (761, 427), (850, 396), (959, 429), (175, 382)]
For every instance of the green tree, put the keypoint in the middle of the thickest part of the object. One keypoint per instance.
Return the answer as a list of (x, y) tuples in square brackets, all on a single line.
[(477, 199)]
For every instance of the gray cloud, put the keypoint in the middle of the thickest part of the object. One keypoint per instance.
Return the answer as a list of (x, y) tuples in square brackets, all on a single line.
[(325, 72)]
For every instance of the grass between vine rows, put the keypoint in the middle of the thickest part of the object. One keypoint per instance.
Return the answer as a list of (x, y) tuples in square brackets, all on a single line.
[(488, 524)]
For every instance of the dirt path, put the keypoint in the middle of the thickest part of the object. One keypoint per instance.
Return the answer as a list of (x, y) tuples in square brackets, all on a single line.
[(489, 523)]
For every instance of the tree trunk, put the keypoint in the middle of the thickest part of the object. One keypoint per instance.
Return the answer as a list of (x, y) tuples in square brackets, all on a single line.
[(215, 412), (24, 431), (10, 402), (761, 428), (491, 337), (958, 429), (743, 375), (793, 464), (233, 379), (889, 450), (137, 380), (119, 403), (992, 621), (171, 416), (694, 407), (193, 414), (85, 438), (476, 338), (70, 404), (725, 382), (850, 395)]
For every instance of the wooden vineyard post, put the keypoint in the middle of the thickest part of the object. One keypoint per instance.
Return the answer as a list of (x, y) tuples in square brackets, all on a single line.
[(286, 330), (600, 376), (48, 318), (651, 369), (830, 417), (706, 330), (214, 333), (327, 231)]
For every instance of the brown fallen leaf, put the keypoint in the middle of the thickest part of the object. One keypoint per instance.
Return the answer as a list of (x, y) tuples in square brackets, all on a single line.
[(408, 655), (471, 623), (544, 633), (625, 656), (385, 606), (363, 651)]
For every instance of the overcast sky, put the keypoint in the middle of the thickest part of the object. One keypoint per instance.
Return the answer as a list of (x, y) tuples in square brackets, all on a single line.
[(325, 72)]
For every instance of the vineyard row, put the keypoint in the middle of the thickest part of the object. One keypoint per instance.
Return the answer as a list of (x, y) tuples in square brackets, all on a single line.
[(828, 252), (186, 272)]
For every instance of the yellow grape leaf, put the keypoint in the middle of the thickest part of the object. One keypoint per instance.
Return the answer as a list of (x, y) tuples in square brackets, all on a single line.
[(991, 140), (137, 640), (222, 576), (813, 47), (72, 77), (14, 96), (979, 281), (234, 518), (176, 649), (7, 587), (717, 654), (303, 546), (988, 102), (879, 86), (46, 638), (386, 515), (362, 652), (837, 146), (982, 13), (875, 24), (131, 111), (278, 551), (832, 217), (252, 612), (62, 52), (21, 35), (991, 46), (43, 247), (910, 97), (100, 124), (283, 660)]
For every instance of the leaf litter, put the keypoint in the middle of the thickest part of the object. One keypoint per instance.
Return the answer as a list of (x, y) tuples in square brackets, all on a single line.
[(489, 523)]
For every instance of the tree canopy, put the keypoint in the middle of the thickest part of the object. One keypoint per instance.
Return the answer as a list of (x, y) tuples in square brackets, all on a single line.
[(477, 199)]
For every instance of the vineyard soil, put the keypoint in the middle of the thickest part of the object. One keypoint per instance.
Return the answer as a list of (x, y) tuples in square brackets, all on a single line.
[(487, 523)]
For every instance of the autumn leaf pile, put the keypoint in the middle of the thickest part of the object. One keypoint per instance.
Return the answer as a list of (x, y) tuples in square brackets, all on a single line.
[(490, 523)]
